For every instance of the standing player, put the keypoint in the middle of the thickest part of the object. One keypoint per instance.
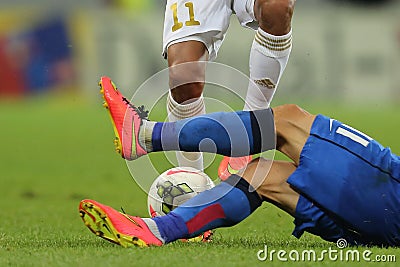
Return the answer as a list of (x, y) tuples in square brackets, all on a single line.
[(193, 33), (340, 184)]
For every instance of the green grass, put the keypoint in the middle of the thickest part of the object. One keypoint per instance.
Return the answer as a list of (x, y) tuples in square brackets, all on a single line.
[(56, 152)]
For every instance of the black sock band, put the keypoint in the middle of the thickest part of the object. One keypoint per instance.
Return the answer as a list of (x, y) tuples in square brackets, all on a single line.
[(263, 130), (254, 199)]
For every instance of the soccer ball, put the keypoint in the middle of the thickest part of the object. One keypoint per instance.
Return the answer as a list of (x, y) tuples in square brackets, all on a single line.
[(175, 186)]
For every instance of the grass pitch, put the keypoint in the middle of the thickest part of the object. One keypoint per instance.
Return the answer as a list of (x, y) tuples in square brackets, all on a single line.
[(56, 152)]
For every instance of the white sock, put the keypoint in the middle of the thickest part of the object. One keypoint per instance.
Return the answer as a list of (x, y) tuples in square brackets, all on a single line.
[(145, 135), (178, 111), (268, 58), (153, 228)]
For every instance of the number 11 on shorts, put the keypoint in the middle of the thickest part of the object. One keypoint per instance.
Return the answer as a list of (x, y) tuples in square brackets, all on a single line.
[(191, 22)]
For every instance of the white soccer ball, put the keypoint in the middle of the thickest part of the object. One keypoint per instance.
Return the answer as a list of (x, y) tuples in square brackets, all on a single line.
[(175, 186)]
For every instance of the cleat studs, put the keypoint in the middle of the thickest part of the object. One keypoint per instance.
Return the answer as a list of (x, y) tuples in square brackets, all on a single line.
[(101, 87), (81, 213), (117, 145), (88, 205), (105, 104), (99, 233)]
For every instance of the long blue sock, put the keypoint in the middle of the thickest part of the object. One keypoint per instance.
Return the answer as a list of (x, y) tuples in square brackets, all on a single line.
[(226, 204), (227, 133)]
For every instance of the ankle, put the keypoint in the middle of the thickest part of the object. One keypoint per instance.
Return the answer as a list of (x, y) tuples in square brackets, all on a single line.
[(145, 135)]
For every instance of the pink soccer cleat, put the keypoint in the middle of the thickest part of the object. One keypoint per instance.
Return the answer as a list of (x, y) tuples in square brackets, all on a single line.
[(126, 120), (116, 227), (229, 166)]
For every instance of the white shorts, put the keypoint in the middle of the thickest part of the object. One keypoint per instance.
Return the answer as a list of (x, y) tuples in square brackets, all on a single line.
[(204, 20)]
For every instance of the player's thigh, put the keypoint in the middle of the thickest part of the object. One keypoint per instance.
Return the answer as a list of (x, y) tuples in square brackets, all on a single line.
[(269, 178), (188, 51)]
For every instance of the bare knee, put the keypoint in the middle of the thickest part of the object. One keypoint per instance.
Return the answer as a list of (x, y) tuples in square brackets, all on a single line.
[(290, 115), (286, 118), (287, 111), (186, 81), (187, 70), (292, 127), (264, 175), (256, 173), (269, 178), (274, 16)]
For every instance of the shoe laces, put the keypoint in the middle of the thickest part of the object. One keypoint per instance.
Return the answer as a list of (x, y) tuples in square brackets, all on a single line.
[(123, 211), (129, 218), (142, 113)]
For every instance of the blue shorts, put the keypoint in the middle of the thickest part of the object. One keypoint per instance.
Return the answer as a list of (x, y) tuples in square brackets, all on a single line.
[(349, 186)]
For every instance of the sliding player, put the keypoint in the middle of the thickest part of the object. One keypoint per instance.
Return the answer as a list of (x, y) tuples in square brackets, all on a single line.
[(341, 183), (193, 33)]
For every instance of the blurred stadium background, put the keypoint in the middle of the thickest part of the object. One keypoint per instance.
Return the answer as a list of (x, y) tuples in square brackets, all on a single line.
[(343, 50)]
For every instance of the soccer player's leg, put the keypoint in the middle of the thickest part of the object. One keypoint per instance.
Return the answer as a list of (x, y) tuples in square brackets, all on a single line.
[(231, 201), (226, 133), (224, 205), (193, 33), (228, 203), (269, 55), (270, 50), (186, 61), (126, 120)]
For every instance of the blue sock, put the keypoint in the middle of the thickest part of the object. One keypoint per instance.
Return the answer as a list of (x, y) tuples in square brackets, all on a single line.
[(226, 204), (227, 133)]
